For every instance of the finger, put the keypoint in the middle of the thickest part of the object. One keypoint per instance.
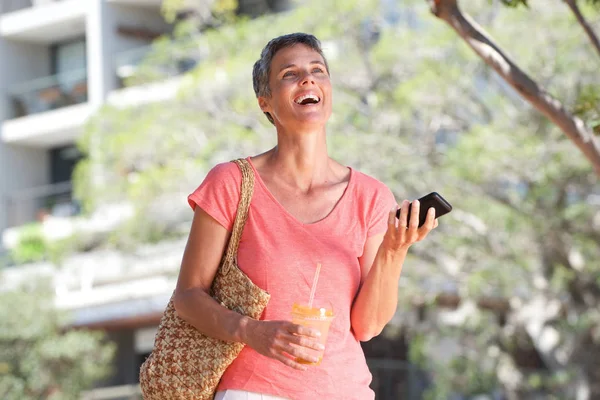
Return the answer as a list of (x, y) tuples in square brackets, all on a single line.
[(435, 224), (302, 330), (392, 217), (295, 352), (430, 220), (414, 215), (290, 362), (403, 215), (304, 341), (301, 353)]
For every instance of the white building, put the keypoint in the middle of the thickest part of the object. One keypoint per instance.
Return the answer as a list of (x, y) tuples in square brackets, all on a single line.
[(60, 60)]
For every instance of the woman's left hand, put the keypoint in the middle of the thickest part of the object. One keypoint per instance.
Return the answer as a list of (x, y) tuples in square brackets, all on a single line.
[(400, 235)]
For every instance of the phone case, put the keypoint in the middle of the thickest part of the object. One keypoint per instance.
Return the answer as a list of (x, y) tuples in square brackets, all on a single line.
[(433, 199)]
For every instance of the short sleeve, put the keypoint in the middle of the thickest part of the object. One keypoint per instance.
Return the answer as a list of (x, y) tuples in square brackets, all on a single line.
[(218, 195), (382, 203)]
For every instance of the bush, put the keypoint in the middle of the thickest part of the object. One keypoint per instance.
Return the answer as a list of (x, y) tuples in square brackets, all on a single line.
[(31, 246)]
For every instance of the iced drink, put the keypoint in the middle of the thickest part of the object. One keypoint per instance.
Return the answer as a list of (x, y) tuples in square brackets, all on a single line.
[(316, 317)]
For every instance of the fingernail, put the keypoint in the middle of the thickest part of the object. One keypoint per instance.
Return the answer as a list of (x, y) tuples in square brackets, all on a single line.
[(431, 210)]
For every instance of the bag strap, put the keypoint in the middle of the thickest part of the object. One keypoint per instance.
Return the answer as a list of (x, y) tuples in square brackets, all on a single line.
[(247, 190)]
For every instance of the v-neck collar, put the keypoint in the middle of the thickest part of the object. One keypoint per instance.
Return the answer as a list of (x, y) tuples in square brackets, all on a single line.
[(342, 199)]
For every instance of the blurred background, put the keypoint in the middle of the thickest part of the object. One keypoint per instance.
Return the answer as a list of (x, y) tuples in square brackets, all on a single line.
[(113, 111)]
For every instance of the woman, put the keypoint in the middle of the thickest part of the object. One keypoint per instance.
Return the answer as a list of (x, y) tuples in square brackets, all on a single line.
[(306, 209)]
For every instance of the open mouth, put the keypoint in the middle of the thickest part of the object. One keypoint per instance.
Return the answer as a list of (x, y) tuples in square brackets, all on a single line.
[(307, 99)]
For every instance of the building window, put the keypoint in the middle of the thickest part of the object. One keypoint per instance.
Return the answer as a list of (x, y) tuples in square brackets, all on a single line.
[(68, 56)]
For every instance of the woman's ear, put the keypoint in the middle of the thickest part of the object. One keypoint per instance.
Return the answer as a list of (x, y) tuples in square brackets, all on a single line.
[(263, 104)]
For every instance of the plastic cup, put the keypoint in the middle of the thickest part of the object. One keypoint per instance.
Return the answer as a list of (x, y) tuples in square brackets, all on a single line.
[(318, 316)]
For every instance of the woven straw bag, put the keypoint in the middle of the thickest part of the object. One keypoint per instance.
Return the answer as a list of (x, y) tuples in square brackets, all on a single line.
[(186, 364)]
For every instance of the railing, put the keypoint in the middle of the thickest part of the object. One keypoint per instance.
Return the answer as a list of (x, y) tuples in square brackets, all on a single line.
[(152, 66), (126, 62), (125, 392), (8, 6), (34, 204), (49, 93), (5, 258)]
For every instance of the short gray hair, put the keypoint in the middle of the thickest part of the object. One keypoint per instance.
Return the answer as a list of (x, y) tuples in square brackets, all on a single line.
[(262, 67)]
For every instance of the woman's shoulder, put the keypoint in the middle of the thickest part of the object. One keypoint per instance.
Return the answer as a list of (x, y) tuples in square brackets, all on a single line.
[(219, 193), (224, 177), (225, 172), (368, 184)]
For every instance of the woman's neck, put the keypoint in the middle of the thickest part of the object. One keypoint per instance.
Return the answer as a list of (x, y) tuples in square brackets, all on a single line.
[(301, 159)]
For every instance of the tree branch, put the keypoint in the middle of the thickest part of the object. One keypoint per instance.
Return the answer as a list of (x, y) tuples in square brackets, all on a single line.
[(490, 52), (584, 24)]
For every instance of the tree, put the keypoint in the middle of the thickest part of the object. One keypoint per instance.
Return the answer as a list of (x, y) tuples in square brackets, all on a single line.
[(489, 51), (39, 358), (538, 193), (418, 111)]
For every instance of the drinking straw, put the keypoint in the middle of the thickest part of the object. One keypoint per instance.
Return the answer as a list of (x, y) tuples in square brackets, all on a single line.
[(314, 285)]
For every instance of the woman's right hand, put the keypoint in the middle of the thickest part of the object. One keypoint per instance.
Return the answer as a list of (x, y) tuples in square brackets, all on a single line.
[(281, 339)]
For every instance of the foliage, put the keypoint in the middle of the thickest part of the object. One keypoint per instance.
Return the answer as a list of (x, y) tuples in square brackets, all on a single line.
[(588, 106), (34, 246), (38, 358), (416, 109), (31, 246), (517, 3), (530, 188), (211, 11)]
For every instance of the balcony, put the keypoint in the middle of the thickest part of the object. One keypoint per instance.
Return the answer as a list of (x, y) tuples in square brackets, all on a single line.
[(142, 65), (42, 21), (47, 111), (49, 93), (37, 203), (42, 217), (25, 236), (146, 77), (139, 3), (127, 62)]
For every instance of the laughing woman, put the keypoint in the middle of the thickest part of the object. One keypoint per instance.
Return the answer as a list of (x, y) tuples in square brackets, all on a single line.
[(306, 209)]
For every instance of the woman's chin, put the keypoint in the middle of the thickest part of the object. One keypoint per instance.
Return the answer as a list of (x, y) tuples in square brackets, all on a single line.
[(311, 119)]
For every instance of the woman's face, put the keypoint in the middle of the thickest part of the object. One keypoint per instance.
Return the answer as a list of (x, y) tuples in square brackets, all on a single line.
[(300, 89)]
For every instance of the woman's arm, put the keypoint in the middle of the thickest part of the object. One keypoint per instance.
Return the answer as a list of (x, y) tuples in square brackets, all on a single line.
[(205, 246), (381, 265)]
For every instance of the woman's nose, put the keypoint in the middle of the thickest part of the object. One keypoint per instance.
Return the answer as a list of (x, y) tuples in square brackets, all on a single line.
[(307, 78)]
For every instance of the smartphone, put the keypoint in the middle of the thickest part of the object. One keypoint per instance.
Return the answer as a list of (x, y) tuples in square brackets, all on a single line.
[(433, 199)]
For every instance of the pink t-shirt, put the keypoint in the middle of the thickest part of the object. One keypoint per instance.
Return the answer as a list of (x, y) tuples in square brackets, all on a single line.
[(280, 255)]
